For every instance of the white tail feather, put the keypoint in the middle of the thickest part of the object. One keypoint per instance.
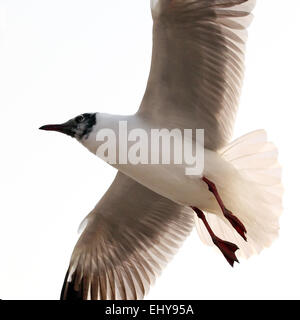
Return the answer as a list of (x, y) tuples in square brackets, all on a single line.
[(253, 194)]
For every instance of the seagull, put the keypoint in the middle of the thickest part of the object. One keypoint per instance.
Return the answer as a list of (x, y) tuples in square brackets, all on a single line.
[(149, 210)]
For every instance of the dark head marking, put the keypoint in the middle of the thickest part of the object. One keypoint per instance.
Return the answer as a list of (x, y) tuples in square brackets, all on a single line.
[(79, 127), (85, 123)]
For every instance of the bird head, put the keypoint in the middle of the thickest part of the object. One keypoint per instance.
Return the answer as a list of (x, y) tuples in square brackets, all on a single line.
[(79, 127)]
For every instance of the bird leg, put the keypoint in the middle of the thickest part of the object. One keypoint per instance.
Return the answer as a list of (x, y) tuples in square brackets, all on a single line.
[(235, 222), (228, 249)]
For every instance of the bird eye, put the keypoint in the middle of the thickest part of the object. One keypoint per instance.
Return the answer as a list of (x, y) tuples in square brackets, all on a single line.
[(79, 119)]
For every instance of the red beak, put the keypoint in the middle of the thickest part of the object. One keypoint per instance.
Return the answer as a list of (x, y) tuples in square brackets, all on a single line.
[(53, 127), (66, 128)]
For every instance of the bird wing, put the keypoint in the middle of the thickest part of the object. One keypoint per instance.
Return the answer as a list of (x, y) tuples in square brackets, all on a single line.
[(129, 237), (197, 65)]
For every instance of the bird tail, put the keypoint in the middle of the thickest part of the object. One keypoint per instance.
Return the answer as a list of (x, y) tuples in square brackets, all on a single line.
[(253, 193)]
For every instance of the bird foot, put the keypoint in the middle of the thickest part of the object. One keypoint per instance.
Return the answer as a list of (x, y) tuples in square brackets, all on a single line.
[(236, 223), (228, 250)]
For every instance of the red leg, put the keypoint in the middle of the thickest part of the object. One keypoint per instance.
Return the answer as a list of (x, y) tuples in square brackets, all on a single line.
[(235, 222), (227, 248)]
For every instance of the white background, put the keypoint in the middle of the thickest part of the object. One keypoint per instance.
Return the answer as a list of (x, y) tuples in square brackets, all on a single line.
[(60, 58)]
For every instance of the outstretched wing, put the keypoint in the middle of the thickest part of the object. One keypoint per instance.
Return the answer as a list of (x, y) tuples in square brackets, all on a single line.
[(197, 65), (130, 236)]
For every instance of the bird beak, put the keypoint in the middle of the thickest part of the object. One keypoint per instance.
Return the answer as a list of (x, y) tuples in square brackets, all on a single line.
[(66, 128)]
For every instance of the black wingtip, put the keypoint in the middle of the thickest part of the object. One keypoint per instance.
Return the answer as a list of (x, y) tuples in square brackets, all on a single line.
[(68, 291)]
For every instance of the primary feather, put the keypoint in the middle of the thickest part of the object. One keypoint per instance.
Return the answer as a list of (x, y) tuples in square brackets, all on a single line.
[(129, 237), (198, 65)]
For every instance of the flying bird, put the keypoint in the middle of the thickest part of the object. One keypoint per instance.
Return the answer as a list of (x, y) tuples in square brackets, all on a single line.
[(149, 210)]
